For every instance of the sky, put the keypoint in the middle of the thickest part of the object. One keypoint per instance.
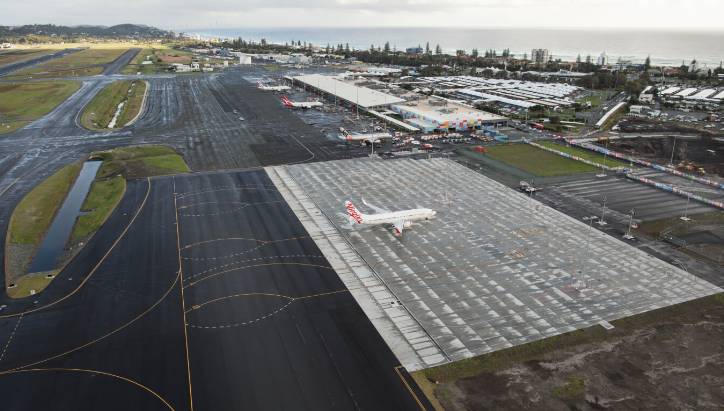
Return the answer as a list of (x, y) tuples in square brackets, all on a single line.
[(191, 14)]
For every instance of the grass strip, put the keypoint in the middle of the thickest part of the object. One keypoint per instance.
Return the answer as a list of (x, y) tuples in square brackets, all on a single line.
[(537, 161), (141, 161), (584, 154), (99, 113), (34, 214), (87, 62), (22, 103), (102, 199)]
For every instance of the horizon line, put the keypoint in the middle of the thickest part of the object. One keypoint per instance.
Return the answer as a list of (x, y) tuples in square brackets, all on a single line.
[(562, 28)]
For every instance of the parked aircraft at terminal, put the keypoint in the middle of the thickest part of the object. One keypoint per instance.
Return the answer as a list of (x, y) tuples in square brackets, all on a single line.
[(369, 138), (300, 104), (265, 87)]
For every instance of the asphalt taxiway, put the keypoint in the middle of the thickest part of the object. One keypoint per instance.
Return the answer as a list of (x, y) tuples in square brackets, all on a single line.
[(202, 292), (198, 115), (270, 324), (109, 332)]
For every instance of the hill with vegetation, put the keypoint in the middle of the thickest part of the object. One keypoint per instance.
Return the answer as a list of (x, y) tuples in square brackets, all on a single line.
[(15, 34)]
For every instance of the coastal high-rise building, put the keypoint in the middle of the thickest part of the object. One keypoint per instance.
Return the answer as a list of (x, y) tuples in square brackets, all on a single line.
[(602, 59), (540, 56)]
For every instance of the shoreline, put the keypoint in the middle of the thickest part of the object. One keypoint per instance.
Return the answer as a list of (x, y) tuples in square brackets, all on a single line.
[(279, 36)]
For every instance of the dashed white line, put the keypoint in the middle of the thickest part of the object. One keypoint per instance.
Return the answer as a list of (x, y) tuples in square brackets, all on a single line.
[(240, 324), (250, 260), (229, 211), (12, 334)]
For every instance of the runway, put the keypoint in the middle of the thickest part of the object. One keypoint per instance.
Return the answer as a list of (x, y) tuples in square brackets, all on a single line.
[(9, 68), (261, 322)]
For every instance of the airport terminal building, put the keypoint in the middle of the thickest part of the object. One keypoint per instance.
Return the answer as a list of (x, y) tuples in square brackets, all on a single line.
[(426, 114), (436, 114)]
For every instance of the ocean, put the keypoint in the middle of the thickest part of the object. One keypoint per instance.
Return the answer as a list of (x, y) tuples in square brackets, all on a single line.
[(664, 47)]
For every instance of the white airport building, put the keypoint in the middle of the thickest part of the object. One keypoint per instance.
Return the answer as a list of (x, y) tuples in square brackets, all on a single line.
[(435, 114), (347, 92), (428, 114)]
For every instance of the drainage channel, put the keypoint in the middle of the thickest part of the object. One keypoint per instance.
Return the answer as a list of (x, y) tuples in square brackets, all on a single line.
[(53, 244)]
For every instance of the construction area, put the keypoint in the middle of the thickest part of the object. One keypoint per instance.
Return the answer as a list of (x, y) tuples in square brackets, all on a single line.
[(689, 154), (493, 270), (665, 359)]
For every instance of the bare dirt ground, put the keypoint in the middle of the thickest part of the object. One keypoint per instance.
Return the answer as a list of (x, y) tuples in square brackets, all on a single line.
[(172, 58), (702, 235), (669, 359), (691, 154)]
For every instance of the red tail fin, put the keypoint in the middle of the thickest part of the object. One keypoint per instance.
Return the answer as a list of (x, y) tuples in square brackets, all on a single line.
[(352, 212)]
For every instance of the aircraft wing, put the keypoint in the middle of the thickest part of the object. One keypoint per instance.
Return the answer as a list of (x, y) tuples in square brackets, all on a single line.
[(399, 225), (377, 209)]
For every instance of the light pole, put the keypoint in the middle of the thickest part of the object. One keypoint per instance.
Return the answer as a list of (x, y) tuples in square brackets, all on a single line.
[(628, 235), (603, 166), (602, 221), (673, 150), (531, 189), (447, 175), (685, 217)]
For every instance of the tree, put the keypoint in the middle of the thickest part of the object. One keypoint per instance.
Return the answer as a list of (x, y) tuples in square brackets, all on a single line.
[(372, 48), (525, 56), (578, 59), (588, 59), (438, 50), (474, 53), (720, 69), (634, 89), (647, 63), (346, 49), (427, 48), (387, 47), (328, 49)]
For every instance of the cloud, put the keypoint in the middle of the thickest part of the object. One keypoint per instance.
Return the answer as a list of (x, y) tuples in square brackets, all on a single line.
[(348, 13)]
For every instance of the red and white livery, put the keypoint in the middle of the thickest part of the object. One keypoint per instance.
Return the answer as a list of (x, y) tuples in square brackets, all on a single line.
[(399, 220), (370, 138), (300, 104)]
